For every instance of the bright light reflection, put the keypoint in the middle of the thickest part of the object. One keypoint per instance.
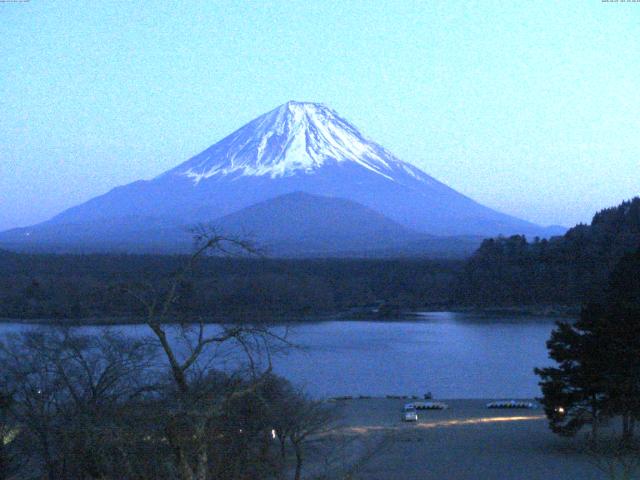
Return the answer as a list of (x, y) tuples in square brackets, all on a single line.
[(443, 423)]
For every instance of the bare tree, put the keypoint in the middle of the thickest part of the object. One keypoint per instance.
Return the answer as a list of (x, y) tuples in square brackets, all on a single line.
[(309, 418), (196, 406), (109, 406), (295, 419), (66, 390)]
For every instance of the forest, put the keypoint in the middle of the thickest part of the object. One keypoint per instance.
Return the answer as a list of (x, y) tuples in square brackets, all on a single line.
[(70, 287), (567, 270), (504, 272)]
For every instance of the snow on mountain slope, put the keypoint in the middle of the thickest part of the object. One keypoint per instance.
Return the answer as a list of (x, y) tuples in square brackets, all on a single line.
[(294, 138)]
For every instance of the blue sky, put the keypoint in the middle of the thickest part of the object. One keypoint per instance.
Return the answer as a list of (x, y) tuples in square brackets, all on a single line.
[(528, 107)]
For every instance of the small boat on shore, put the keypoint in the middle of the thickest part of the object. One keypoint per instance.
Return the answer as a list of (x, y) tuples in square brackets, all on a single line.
[(426, 406), (510, 404)]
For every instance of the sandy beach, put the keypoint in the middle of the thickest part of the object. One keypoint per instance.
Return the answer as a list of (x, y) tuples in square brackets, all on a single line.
[(465, 442)]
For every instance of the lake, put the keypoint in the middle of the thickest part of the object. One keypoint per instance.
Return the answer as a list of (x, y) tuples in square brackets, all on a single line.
[(452, 355)]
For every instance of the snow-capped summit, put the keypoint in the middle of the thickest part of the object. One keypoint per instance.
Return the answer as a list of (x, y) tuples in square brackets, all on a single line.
[(298, 147), (295, 138)]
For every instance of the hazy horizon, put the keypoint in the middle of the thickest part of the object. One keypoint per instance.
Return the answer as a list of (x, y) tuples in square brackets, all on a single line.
[(528, 109)]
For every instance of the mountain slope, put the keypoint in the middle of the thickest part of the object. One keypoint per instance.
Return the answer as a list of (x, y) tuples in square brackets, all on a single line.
[(302, 223), (291, 225), (298, 147)]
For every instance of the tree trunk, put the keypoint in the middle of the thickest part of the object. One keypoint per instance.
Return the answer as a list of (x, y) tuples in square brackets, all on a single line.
[(202, 469), (594, 430), (184, 469), (4, 463), (265, 443), (283, 448), (52, 474), (181, 462), (594, 424), (298, 450), (627, 428)]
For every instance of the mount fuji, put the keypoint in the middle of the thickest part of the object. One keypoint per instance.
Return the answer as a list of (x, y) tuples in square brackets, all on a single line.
[(299, 148)]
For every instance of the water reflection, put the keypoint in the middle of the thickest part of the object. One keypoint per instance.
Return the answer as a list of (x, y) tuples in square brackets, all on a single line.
[(453, 355)]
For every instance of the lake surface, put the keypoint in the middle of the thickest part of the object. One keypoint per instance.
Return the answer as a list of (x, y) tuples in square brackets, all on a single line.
[(452, 355)]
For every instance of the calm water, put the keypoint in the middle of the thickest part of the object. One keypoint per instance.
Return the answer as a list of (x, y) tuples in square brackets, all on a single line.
[(452, 355)]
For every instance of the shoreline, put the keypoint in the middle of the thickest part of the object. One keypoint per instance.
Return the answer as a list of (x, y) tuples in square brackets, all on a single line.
[(420, 398), (467, 441), (551, 311)]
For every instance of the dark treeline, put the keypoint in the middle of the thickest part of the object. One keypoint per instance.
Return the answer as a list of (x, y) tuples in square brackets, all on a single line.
[(567, 270), (43, 286)]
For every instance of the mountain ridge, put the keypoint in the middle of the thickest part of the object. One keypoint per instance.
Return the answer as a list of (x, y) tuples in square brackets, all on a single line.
[(297, 225), (301, 224)]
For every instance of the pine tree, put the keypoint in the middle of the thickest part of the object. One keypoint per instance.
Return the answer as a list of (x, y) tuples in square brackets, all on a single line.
[(598, 357), (573, 392), (621, 336)]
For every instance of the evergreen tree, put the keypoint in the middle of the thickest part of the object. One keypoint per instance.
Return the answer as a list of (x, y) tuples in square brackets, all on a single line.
[(621, 337), (598, 357), (573, 392)]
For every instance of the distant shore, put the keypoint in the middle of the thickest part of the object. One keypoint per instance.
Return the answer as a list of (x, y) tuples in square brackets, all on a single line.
[(358, 314), (560, 311)]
